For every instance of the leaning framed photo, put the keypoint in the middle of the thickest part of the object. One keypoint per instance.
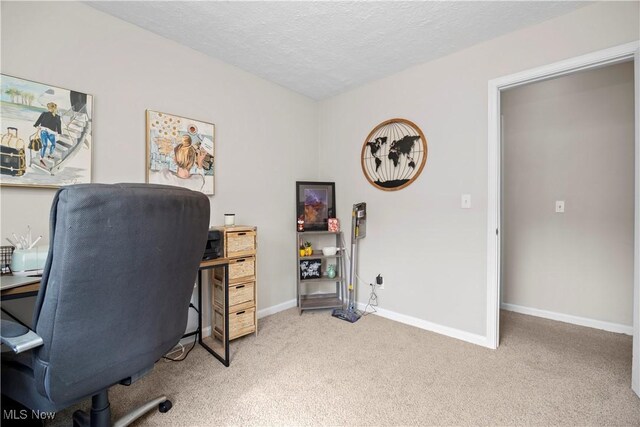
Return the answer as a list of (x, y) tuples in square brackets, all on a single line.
[(180, 152), (315, 204), (46, 134)]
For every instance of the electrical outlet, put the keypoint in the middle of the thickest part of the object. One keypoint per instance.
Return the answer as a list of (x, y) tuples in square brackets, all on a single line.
[(380, 281), (465, 202)]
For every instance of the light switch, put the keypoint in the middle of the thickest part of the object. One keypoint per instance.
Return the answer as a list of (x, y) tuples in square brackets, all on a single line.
[(466, 201), (559, 206)]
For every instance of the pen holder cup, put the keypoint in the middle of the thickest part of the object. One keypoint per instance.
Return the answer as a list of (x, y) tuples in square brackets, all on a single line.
[(29, 261)]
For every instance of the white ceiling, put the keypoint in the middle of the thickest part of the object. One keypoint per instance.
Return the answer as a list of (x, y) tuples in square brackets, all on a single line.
[(320, 49)]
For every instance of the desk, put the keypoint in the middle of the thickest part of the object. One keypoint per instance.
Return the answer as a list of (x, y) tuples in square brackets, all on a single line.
[(19, 286), (13, 287), (211, 344)]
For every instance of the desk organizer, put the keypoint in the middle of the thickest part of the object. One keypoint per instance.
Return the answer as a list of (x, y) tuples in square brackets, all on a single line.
[(29, 261), (5, 259)]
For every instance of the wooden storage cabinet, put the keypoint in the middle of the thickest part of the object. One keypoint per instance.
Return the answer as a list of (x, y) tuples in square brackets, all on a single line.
[(240, 248)]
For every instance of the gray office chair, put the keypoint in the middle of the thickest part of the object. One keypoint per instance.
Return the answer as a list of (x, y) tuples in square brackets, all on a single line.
[(114, 296)]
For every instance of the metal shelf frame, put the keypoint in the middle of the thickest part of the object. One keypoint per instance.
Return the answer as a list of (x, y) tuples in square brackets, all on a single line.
[(306, 298)]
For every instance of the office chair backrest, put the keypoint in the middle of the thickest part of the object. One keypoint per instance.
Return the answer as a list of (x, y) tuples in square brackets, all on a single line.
[(115, 291)]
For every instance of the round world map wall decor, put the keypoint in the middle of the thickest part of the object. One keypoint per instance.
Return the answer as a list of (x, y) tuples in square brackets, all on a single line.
[(394, 154)]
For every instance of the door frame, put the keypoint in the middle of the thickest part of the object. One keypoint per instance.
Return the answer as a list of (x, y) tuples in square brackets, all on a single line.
[(601, 58)]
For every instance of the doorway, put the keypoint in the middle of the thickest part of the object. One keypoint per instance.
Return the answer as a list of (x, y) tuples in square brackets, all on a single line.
[(624, 53)]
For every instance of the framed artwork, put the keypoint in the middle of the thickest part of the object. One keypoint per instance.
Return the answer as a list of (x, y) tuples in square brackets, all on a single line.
[(46, 134), (316, 203), (394, 154), (180, 152), (310, 269)]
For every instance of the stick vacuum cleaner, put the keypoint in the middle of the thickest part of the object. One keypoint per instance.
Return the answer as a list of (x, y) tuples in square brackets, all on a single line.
[(358, 231)]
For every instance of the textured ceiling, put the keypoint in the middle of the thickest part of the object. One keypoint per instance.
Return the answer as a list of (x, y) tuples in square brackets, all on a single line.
[(320, 49)]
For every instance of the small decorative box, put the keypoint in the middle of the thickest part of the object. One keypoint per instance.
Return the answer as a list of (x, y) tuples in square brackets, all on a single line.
[(334, 225)]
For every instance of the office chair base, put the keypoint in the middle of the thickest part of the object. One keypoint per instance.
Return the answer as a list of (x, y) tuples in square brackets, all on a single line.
[(100, 415), (162, 403)]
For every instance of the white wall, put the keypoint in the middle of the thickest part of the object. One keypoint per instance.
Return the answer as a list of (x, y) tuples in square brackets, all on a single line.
[(571, 139), (263, 131), (431, 252)]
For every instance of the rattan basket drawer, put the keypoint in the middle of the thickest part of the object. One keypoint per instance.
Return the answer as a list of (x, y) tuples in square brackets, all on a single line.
[(238, 294), (241, 323), (240, 243), (240, 270)]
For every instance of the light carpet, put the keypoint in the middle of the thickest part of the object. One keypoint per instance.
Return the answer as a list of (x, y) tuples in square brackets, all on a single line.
[(317, 370)]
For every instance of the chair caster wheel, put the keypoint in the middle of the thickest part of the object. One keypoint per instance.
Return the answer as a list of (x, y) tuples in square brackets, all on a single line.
[(165, 406)]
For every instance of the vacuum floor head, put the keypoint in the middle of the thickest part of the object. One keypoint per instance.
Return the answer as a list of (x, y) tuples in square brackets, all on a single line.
[(348, 315)]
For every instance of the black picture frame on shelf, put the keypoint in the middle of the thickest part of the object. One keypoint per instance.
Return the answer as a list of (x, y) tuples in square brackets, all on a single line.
[(310, 269), (315, 204)]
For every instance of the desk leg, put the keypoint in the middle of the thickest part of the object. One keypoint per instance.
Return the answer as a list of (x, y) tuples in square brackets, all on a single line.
[(226, 314), (224, 359), (200, 307)]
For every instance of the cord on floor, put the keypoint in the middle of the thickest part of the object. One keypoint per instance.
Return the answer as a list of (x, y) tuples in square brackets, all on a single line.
[(180, 358)]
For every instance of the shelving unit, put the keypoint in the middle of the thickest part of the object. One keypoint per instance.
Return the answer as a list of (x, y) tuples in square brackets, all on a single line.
[(310, 295)]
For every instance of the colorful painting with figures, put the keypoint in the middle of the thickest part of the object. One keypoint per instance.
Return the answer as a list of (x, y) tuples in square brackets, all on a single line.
[(46, 134), (180, 152)]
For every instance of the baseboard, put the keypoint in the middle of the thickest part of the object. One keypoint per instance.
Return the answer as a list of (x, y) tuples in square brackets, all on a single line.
[(432, 327), (387, 314), (276, 308), (206, 332), (567, 318), (261, 313)]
